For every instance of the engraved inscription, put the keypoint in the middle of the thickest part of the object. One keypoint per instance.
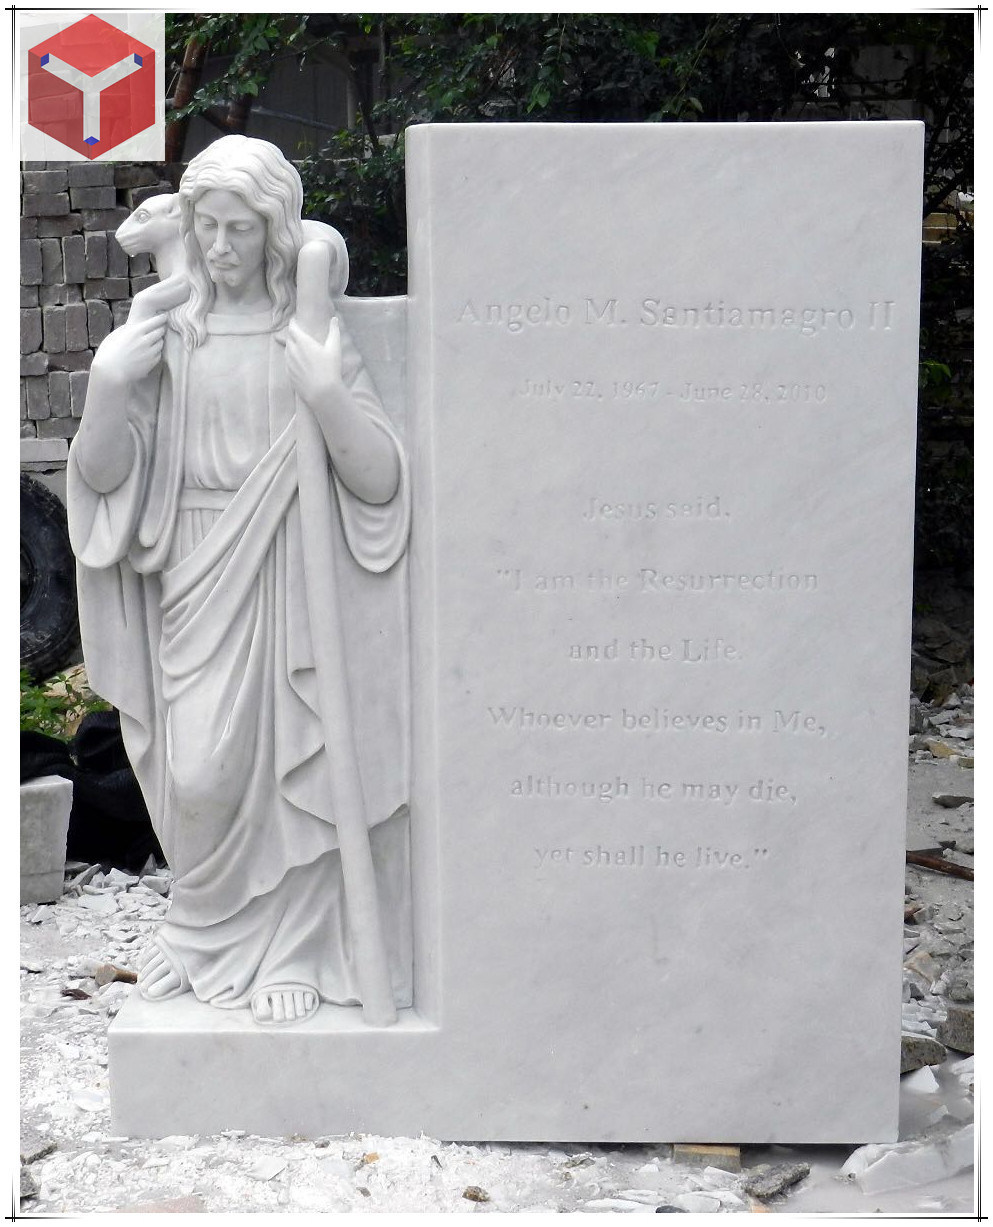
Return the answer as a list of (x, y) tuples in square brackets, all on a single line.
[(550, 787), (514, 316), (683, 651), (661, 720), (648, 580), (623, 768), (551, 389), (651, 580), (807, 321), (648, 311), (604, 312), (526, 718), (807, 393), (687, 651), (648, 856), (699, 507), (653, 719)]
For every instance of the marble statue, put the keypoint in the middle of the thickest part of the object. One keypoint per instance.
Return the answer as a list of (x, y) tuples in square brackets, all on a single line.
[(239, 508), (154, 227)]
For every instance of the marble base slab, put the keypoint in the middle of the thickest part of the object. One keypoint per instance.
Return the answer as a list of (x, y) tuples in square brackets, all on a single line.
[(183, 1067), (180, 1067)]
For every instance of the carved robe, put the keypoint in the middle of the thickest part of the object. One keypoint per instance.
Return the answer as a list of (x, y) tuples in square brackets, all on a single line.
[(196, 625)]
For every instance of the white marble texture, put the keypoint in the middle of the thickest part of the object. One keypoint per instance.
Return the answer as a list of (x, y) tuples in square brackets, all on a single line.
[(639, 999), (46, 804), (658, 960)]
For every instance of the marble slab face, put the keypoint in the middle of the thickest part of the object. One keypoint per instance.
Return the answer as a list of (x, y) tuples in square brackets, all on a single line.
[(665, 386)]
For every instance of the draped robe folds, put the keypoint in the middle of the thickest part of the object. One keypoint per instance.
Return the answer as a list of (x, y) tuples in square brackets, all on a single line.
[(196, 625)]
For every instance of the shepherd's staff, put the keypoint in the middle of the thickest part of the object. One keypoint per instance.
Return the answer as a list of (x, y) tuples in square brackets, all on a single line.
[(314, 314)]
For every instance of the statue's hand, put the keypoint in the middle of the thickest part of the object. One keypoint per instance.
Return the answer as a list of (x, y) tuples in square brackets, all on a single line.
[(159, 299), (314, 368), (131, 352)]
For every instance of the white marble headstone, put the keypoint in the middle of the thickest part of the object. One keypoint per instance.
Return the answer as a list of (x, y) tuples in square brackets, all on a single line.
[(661, 419), (666, 418)]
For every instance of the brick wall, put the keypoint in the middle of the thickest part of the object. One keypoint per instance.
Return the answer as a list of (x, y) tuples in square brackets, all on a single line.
[(76, 282)]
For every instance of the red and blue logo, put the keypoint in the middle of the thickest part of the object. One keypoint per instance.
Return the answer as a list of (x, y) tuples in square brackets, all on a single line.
[(91, 86)]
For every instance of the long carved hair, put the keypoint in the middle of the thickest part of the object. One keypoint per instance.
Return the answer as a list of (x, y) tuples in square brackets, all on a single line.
[(257, 172)]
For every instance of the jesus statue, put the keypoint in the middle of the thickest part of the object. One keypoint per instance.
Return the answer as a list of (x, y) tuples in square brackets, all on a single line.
[(239, 508)]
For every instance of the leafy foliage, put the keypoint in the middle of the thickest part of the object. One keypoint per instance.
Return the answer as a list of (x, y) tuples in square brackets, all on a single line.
[(56, 706), (253, 41), (586, 68), (945, 470), (361, 191)]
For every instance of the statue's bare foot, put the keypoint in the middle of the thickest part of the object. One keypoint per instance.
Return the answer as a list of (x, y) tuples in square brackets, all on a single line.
[(284, 1003), (160, 978)]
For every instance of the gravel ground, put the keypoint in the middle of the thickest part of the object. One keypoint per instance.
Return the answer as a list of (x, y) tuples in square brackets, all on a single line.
[(78, 956)]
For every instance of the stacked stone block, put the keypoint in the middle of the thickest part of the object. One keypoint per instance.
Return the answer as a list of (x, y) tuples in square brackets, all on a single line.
[(76, 282)]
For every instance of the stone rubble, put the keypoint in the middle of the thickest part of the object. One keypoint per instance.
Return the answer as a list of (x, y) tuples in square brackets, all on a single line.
[(916, 1051), (28, 1185), (944, 730), (938, 970), (965, 1072), (956, 1031), (903, 1165), (767, 1181), (921, 1082), (942, 644), (34, 1146), (73, 1164)]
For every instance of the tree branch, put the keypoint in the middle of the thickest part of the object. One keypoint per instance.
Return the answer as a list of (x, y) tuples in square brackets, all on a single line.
[(189, 80)]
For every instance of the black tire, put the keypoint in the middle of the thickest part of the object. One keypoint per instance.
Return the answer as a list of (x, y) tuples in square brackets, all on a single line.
[(49, 621)]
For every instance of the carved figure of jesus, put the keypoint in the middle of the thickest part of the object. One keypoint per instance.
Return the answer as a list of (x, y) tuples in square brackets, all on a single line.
[(239, 509)]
